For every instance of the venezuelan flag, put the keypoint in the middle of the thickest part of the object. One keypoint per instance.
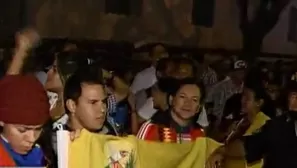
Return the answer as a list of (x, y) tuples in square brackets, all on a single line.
[(101, 151)]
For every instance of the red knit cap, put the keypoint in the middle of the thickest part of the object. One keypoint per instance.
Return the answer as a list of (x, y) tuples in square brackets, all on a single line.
[(23, 101)]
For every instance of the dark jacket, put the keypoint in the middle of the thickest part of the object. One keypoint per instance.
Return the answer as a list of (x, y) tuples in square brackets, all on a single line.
[(276, 143)]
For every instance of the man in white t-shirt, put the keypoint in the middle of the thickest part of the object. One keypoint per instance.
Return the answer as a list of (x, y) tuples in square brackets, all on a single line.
[(145, 105), (147, 77)]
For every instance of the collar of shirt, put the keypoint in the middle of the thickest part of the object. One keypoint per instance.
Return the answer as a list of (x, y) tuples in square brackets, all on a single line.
[(63, 120)]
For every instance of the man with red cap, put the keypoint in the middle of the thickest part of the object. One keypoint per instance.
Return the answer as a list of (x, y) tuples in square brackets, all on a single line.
[(24, 109)]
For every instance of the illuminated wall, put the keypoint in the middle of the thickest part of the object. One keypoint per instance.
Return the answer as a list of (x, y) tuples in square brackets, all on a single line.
[(168, 21)]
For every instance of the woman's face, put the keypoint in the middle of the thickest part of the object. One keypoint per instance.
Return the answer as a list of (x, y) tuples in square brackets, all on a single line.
[(186, 102), (21, 138), (53, 83), (248, 102)]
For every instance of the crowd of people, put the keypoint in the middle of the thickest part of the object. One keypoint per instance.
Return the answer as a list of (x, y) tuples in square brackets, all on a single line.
[(250, 109)]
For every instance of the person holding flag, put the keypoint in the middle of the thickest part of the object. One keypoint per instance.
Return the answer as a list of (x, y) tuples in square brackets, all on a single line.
[(177, 124)]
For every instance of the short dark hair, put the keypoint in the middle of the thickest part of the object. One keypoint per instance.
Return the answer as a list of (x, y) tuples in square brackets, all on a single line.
[(122, 72), (189, 81), (69, 62), (84, 75), (167, 85)]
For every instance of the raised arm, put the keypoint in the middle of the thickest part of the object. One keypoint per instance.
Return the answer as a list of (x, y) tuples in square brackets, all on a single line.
[(25, 41)]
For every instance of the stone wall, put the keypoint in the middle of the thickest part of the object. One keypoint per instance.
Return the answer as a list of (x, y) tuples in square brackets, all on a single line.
[(162, 20)]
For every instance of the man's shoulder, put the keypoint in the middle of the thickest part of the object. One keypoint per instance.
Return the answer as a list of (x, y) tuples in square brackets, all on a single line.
[(146, 71), (272, 126), (144, 79), (222, 83)]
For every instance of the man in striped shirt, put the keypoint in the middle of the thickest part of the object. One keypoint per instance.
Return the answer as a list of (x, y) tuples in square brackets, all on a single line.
[(205, 73), (222, 91), (209, 77)]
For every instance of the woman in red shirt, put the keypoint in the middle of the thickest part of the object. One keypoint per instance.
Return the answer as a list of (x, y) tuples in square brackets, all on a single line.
[(178, 124)]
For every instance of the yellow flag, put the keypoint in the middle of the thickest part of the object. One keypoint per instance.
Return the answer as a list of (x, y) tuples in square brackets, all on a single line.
[(101, 151)]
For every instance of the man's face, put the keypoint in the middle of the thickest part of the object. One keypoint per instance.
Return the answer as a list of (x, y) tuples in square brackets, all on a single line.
[(90, 109), (184, 71), (292, 99), (170, 70), (238, 74), (53, 82), (21, 138), (248, 102)]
